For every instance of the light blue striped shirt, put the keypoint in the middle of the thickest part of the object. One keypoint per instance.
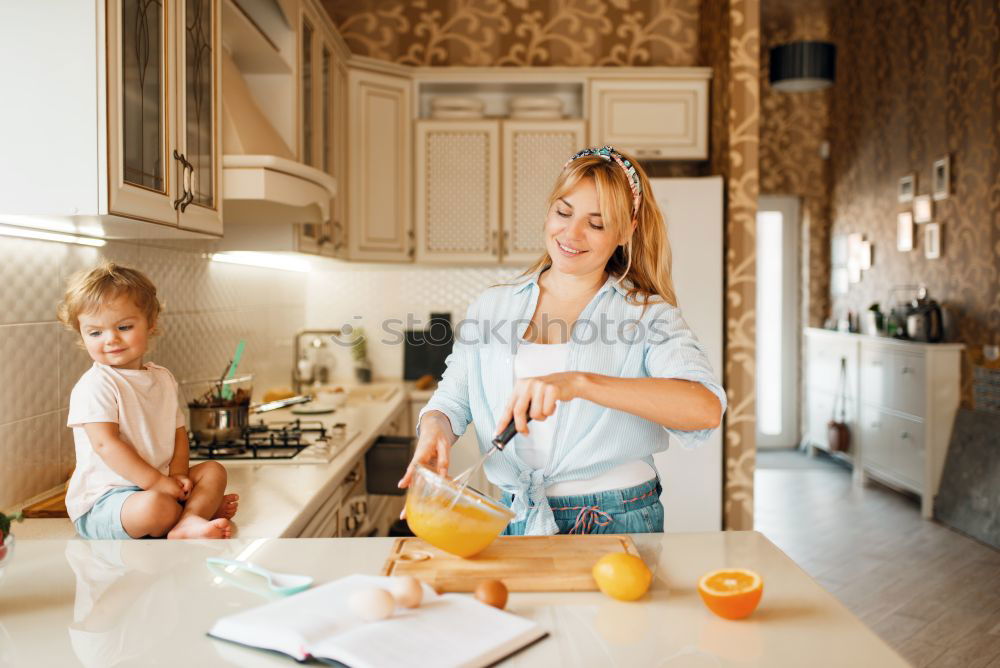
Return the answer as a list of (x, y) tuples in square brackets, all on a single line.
[(611, 337)]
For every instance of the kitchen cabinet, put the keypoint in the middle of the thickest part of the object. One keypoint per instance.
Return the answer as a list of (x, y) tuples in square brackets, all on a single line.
[(133, 136), (322, 123), (379, 167), (461, 169), (905, 395), (652, 119), (164, 112)]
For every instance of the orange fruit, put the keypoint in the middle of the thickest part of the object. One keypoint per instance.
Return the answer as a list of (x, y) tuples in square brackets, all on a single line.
[(622, 576), (731, 593)]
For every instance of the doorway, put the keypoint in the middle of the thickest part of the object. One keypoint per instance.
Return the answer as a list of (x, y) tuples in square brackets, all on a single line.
[(777, 321)]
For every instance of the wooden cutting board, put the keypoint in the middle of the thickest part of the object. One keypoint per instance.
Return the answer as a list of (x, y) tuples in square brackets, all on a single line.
[(522, 563), (49, 507)]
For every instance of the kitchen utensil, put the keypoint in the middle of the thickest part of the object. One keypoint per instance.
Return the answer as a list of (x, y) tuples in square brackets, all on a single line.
[(213, 418), (281, 403), (522, 563), (458, 520), (924, 319), (227, 392), (499, 443), (280, 583)]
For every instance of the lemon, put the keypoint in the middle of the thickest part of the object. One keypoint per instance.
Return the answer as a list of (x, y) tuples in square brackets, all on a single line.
[(622, 576)]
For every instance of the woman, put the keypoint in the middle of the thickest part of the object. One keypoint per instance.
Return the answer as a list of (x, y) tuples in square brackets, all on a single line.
[(590, 346)]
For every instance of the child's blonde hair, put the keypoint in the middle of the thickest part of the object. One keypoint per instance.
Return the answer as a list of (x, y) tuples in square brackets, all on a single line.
[(86, 291), (644, 256)]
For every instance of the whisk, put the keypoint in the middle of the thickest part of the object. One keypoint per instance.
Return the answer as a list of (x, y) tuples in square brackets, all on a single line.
[(499, 443)]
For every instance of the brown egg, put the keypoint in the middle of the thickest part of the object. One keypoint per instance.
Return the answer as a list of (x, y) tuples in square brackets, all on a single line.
[(492, 592), (407, 591)]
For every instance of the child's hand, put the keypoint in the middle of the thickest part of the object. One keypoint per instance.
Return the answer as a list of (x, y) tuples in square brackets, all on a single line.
[(185, 482), (170, 486)]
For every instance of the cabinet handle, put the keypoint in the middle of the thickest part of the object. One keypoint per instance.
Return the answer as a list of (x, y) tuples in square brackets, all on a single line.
[(353, 476), (350, 523), (647, 152), (907, 369), (876, 363), (905, 435), (494, 243), (876, 425), (505, 243), (184, 165)]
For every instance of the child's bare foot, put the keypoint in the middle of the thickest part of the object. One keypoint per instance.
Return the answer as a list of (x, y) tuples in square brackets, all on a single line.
[(193, 526), (227, 507)]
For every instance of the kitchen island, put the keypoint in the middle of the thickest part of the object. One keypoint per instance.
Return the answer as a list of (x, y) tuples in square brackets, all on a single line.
[(150, 602)]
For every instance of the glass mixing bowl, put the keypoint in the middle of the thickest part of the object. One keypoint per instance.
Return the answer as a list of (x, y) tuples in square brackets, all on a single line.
[(463, 529)]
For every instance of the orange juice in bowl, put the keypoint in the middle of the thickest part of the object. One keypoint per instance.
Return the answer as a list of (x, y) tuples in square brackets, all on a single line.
[(455, 519)]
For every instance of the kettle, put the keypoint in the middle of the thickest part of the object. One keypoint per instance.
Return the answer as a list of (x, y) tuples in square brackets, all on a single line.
[(924, 319)]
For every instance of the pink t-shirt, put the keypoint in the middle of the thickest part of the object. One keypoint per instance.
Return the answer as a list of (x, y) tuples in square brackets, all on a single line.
[(143, 402)]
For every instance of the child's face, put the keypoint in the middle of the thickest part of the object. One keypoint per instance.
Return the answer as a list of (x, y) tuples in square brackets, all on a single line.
[(116, 334)]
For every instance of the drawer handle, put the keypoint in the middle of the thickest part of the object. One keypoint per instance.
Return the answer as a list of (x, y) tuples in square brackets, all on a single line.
[(353, 476), (905, 434), (876, 363), (876, 425), (907, 369)]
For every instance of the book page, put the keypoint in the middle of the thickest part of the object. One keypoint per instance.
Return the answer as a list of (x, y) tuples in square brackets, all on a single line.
[(454, 630), (292, 625)]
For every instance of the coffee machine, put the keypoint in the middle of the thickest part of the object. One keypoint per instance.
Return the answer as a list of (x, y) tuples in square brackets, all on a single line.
[(924, 319)]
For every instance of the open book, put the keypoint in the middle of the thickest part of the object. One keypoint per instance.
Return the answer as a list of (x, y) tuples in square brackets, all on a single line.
[(446, 630)]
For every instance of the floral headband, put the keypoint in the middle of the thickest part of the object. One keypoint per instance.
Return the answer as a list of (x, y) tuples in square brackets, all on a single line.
[(609, 153)]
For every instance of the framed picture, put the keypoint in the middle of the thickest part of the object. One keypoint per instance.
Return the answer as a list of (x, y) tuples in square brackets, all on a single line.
[(865, 255), (941, 178), (932, 241), (923, 209), (904, 231), (907, 186), (839, 281), (838, 250)]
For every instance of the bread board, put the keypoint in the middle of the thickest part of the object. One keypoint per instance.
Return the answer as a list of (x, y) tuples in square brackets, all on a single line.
[(522, 563)]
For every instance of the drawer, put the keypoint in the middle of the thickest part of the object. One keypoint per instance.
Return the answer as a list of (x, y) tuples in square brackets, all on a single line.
[(876, 439), (908, 451), (876, 377), (823, 365), (909, 376)]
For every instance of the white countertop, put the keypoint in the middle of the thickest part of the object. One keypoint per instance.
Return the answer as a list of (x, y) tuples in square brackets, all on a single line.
[(73, 602), (278, 499)]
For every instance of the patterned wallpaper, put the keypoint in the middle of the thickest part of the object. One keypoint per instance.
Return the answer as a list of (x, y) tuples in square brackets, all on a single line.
[(730, 43), (921, 79), (724, 34), (521, 32), (792, 128)]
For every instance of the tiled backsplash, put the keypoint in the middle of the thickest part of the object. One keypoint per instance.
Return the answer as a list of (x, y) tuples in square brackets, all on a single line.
[(208, 307), (378, 297)]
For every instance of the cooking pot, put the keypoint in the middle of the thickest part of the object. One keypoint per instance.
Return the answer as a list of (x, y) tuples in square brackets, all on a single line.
[(219, 423)]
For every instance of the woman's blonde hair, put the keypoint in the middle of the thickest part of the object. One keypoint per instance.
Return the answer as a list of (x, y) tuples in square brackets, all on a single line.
[(86, 291), (644, 258)]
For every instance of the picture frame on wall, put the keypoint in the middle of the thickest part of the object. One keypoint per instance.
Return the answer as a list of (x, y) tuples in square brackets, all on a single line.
[(904, 231), (941, 178), (923, 209), (932, 241), (907, 187)]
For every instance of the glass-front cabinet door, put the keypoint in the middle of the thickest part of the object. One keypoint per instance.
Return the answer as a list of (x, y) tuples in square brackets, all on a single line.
[(199, 113), (142, 173)]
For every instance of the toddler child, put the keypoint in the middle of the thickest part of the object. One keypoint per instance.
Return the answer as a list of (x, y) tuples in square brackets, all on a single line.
[(132, 477)]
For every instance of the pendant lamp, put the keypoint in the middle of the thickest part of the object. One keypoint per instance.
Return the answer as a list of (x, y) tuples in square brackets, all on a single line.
[(798, 67)]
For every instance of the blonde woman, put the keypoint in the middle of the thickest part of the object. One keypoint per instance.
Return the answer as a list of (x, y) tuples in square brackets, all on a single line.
[(590, 345)]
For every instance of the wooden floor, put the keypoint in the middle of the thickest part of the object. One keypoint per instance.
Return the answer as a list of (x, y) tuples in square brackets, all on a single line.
[(931, 593)]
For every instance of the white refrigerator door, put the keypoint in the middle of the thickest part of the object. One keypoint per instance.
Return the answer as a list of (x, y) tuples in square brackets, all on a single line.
[(692, 479)]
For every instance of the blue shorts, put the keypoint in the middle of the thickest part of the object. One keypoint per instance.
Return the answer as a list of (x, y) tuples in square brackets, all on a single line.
[(104, 519), (627, 510)]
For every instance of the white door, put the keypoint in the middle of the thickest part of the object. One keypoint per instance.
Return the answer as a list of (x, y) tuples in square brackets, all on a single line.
[(777, 321), (692, 479)]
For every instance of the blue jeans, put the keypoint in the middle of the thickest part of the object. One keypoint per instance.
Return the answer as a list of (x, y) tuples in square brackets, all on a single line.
[(627, 510)]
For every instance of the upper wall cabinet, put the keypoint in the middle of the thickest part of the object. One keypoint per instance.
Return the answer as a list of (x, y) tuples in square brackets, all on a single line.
[(380, 163), (651, 119), (131, 135), (481, 187)]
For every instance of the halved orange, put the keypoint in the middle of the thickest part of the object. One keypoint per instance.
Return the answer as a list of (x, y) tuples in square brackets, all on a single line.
[(731, 593)]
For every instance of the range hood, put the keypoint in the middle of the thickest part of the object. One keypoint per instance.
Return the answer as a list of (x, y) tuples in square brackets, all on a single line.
[(262, 183)]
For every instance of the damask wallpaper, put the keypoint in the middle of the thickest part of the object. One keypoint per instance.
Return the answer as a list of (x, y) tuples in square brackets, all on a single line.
[(724, 34), (918, 80), (793, 127)]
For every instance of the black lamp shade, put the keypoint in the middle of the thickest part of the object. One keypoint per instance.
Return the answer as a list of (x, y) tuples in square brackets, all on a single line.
[(802, 66)]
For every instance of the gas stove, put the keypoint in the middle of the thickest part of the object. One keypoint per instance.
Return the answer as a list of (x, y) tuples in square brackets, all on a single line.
[(292, 442)]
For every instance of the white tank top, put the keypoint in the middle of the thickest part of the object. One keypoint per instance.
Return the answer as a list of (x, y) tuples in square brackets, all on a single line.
[(535, 448)]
